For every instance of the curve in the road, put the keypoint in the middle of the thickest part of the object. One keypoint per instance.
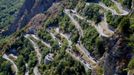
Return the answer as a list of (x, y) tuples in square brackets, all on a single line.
[(102, 27), (113, 11), (14, 65), (38, 54), (119, 6), (77, 25)]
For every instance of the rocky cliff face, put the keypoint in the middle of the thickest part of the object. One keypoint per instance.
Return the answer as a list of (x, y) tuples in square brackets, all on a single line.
[(117, 57), (29, 9)]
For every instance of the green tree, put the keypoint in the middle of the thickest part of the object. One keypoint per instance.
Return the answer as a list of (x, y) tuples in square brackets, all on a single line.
[(131, 64)]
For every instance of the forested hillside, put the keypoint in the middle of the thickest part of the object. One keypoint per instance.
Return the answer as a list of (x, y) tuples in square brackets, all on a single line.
[(67, 37), (8, 12)]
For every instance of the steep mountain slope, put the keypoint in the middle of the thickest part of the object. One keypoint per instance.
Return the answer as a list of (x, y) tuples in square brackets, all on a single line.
[(8, 11), (71, 37), (29, 9)]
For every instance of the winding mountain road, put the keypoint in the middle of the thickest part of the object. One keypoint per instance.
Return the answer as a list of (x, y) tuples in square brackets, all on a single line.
[(113, 11), (69, 50), (102, 27), (119, 6), (27, 71), (65, 36), (38, 54), (52, 35), (77, 25), (107, 8), (79, 59), (37, 38), (36, 70), (14, 65), (87, 54), (84, 62)]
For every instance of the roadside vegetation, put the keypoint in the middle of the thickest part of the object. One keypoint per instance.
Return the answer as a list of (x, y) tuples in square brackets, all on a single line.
[(5, 67), (63, 63)]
